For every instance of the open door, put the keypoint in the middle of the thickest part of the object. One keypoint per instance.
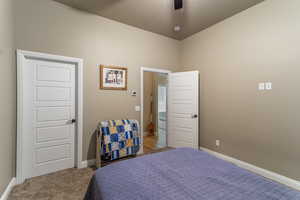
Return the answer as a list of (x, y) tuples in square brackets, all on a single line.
[(183, 112)]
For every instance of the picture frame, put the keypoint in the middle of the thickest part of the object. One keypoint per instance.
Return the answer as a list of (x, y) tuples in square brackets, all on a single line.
[(113, 77)]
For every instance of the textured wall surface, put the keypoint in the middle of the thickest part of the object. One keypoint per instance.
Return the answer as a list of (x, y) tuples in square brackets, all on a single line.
[(258, 45), (50, 27), (8, 94)]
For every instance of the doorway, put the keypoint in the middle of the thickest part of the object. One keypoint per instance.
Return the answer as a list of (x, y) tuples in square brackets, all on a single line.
[(173, 121), (154, 109), (49, 136)]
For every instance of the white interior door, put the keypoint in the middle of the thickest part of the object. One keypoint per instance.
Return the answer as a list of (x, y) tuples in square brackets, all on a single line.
[(48, 110), (183, 112)]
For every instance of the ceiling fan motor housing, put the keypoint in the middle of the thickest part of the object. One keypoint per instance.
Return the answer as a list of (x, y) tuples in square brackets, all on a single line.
[(178, 4)]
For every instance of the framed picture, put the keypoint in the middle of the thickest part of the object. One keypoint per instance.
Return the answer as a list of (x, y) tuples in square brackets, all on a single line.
[(113, 78)]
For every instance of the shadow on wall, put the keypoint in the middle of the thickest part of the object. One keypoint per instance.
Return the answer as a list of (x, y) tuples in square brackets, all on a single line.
[(91, 154), (93, 6)]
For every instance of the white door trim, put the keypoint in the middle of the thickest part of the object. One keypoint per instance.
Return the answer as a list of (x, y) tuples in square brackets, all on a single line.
[(146, 69), (21, 58)]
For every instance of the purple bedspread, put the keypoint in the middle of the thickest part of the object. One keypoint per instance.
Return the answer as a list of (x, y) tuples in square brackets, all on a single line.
[(183, 174)]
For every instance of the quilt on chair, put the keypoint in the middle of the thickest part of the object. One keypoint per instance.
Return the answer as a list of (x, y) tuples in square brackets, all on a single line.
[(119, 138)]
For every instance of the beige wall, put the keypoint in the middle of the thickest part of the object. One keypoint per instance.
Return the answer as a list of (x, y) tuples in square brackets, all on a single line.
[(257, 45), (8, 94), (50, 27)]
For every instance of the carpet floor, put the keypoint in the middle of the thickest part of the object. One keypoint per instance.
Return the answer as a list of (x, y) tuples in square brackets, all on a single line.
[(63, 185), (69, 184)]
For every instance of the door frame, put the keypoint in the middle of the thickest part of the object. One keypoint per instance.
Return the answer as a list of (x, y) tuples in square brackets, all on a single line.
[(21, 63), (147, 69)]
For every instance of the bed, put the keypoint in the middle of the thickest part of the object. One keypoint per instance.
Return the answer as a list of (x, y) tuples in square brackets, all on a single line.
[(182, 174)]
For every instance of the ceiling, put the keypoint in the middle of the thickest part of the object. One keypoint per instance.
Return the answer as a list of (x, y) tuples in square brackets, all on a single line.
[(159, 16)]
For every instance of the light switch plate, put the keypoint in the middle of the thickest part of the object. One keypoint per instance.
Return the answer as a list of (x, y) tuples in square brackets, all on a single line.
[(137, 108), (261, 86), (268, 86)]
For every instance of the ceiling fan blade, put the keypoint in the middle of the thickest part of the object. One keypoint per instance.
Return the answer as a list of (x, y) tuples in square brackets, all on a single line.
[(178, 4)]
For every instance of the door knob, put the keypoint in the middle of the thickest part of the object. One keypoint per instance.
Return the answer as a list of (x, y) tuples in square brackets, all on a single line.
[(72, 121), (195, 116)]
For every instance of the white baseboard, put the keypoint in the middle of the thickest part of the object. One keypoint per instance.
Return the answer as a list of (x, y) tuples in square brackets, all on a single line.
[(88, 163), (263, 172), (8, 189)]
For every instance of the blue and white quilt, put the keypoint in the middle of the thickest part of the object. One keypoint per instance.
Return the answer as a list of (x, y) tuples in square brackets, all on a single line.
[(119, 138)]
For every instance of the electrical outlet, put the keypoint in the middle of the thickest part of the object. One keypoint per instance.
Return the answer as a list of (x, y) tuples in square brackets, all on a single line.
[(218, 143)]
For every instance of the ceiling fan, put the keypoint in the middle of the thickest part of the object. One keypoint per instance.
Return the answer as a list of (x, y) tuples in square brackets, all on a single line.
[(178, 4)]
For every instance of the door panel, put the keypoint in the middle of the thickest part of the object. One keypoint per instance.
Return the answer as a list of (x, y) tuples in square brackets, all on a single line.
[(53, 153), (45, 134), (49, 106), (52, 73), (46, 93), (182, 109), (53, 114)]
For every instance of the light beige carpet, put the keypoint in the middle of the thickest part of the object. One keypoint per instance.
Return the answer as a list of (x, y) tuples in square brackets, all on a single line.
[(69, 184)]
